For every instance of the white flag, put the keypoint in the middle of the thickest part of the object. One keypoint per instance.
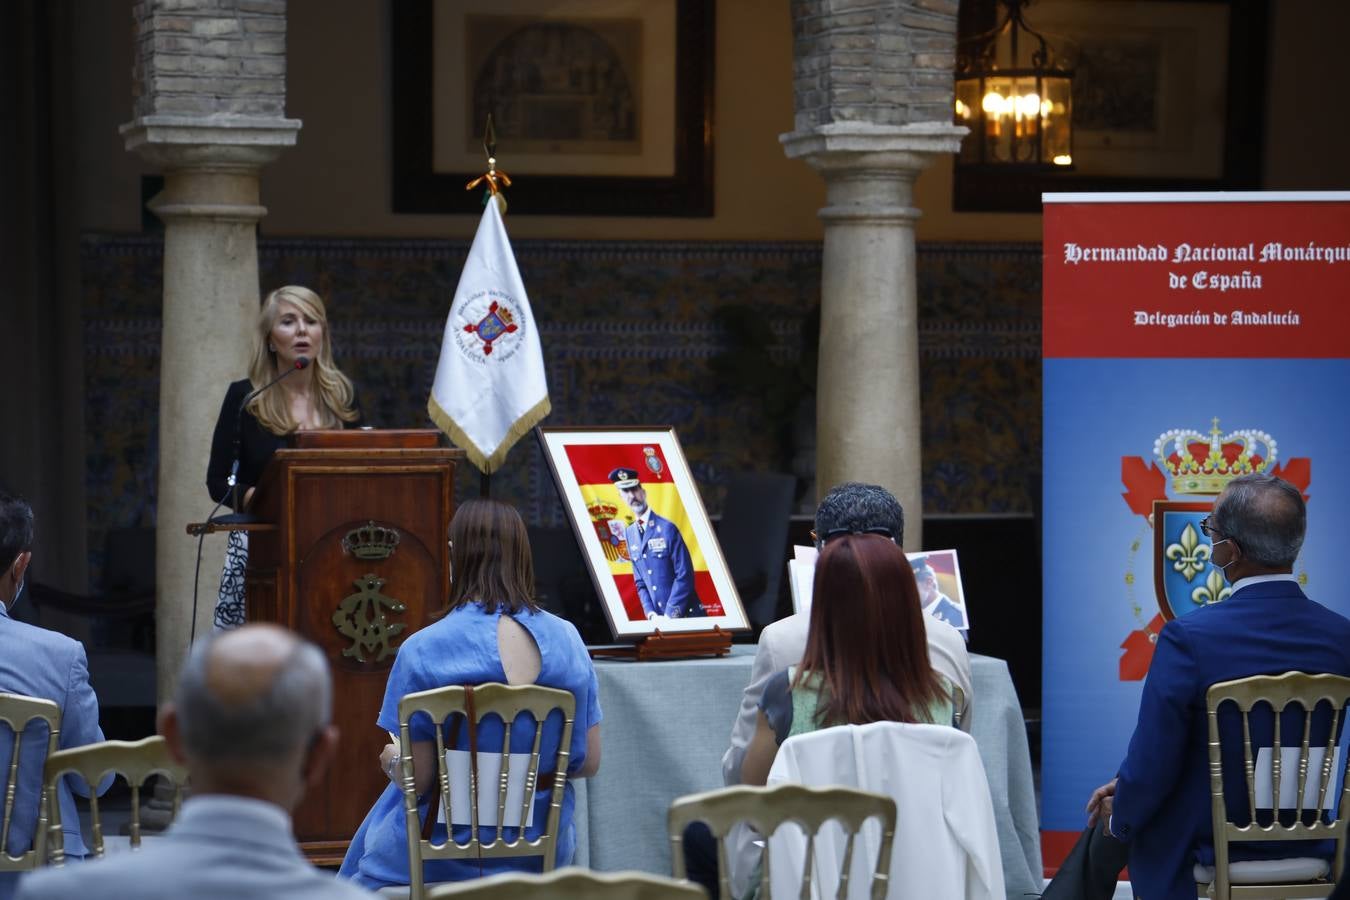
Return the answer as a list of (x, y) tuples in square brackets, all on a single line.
[(490, 387)]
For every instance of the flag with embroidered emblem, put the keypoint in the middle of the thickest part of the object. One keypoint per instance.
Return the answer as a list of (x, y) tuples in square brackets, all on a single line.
[(490, 387)]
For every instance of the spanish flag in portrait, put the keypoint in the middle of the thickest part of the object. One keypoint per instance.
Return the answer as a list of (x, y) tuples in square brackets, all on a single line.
[(611, 516)]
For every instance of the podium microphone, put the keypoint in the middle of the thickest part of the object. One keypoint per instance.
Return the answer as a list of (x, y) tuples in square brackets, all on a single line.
[(235, 518), (301, 362)]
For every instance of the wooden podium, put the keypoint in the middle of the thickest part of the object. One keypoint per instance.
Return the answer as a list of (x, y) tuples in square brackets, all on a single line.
[(357, 560)]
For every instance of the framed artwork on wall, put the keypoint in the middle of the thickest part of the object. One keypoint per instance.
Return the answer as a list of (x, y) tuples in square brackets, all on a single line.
[(600, 107), (643, 531), (1168, 95)]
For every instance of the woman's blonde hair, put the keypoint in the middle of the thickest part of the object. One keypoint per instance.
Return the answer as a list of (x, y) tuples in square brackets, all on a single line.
[(333, 390)]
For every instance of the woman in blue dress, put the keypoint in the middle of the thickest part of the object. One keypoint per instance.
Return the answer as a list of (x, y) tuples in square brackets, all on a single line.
[(493, 631)]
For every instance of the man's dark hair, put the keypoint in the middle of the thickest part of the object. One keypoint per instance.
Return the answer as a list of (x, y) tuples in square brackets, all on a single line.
[(859, 507), (1265, 516), (16, 528)]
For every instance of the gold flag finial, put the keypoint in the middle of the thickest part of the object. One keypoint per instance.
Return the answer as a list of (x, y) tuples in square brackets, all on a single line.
[(495, 179)]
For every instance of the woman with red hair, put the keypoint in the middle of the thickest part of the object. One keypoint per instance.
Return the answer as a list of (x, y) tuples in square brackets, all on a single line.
[(866, 656)]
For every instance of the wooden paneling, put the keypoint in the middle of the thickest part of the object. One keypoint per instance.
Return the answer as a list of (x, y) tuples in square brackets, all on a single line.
[(300, 574)]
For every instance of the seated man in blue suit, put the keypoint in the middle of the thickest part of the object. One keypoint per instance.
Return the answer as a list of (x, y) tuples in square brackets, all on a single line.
[(662, 568), (250, 718), (1157, 808), (38, 663)]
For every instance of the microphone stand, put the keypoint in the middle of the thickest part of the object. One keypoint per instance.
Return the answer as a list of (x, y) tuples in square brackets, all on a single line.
[(301, 362)]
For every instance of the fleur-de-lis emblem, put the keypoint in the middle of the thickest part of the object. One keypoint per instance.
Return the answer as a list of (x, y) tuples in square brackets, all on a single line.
[(1189, 556), (1212, 591)]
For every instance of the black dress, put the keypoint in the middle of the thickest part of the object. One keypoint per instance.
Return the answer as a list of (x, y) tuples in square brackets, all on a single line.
[(256, 446)]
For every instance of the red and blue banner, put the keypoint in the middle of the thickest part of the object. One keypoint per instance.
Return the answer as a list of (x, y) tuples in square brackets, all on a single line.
[(1188, 338)]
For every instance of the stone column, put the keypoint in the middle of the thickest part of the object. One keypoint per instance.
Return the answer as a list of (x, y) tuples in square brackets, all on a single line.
[(210, 95), (873, 87)]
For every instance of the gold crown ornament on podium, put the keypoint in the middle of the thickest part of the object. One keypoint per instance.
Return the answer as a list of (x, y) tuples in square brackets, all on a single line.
[(371, 541), (1204, 463)]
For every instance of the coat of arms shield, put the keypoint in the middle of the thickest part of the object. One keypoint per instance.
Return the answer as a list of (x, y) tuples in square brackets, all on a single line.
[(1184, 577)]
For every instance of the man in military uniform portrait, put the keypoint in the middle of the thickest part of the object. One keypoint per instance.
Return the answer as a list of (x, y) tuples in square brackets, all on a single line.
[(662, 568), (934, 602)]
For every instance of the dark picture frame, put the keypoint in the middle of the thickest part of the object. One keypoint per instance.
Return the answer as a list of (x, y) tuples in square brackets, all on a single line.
[(419, 188), (993, 188)]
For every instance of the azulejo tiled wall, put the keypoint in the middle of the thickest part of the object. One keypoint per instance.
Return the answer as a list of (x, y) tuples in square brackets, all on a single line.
[(632, 333)]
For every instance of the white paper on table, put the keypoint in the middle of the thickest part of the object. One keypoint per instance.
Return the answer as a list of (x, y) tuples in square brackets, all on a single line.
[(1289, 778), (801, 578), (489, 772), (806, 553)]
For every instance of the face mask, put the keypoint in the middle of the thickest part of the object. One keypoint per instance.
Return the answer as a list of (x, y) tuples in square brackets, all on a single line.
[(18, 592), (1223, 568)]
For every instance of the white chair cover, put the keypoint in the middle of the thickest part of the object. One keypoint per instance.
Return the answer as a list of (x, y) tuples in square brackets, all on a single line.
[(946, 842)]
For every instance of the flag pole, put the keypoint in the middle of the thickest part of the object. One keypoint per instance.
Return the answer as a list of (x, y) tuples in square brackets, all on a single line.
[(493, 193), (486, 395), (494, 179)]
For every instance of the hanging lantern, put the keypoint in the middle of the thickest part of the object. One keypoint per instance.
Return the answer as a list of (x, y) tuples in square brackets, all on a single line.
[(1015, 98)]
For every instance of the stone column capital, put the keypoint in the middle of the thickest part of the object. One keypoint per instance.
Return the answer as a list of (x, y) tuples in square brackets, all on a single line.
[(842, 146), (215, 142), (869, 169)]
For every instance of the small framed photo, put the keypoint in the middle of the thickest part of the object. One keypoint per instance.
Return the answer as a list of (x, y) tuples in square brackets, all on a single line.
[(939, 577), (643, 531)]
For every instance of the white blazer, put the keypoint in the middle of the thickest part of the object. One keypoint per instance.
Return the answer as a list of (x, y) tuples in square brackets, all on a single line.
[(946, 843)]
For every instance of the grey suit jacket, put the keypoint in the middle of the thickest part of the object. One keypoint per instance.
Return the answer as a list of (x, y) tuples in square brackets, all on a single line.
[(221, 847), (36, 662)]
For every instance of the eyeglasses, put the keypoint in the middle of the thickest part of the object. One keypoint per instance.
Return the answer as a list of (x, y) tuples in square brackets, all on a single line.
[(1207, 529), (823, 539)]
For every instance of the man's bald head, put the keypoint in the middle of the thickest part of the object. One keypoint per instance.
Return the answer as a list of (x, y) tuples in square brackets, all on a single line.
[(253, 695)]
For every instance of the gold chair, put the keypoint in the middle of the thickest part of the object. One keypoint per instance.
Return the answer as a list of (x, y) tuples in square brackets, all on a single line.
[(1281, 879), (136, 761), (474, 705), (765, 808), (17, 712), (571, 882)]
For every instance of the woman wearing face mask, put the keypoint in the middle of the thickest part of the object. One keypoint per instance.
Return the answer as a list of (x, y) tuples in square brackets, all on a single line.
[(292, 324)]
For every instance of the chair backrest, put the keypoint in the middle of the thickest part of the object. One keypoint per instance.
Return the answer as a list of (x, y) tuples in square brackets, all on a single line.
[(474, 706), (1313, 763), (571, 882), (16, 712), (935, 776), (766, 808), (135, 761), (958, 703)]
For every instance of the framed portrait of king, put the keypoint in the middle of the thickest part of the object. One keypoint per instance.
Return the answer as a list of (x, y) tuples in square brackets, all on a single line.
[(643, 531)]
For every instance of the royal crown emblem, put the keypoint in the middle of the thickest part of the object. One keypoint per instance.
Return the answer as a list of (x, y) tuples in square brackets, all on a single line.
[(653, 461), (610, 530), (371, 541), (1204, 464), (497, 322)]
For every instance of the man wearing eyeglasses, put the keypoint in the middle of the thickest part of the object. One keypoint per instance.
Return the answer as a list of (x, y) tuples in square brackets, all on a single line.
[(1155, 813), (849, 508)]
